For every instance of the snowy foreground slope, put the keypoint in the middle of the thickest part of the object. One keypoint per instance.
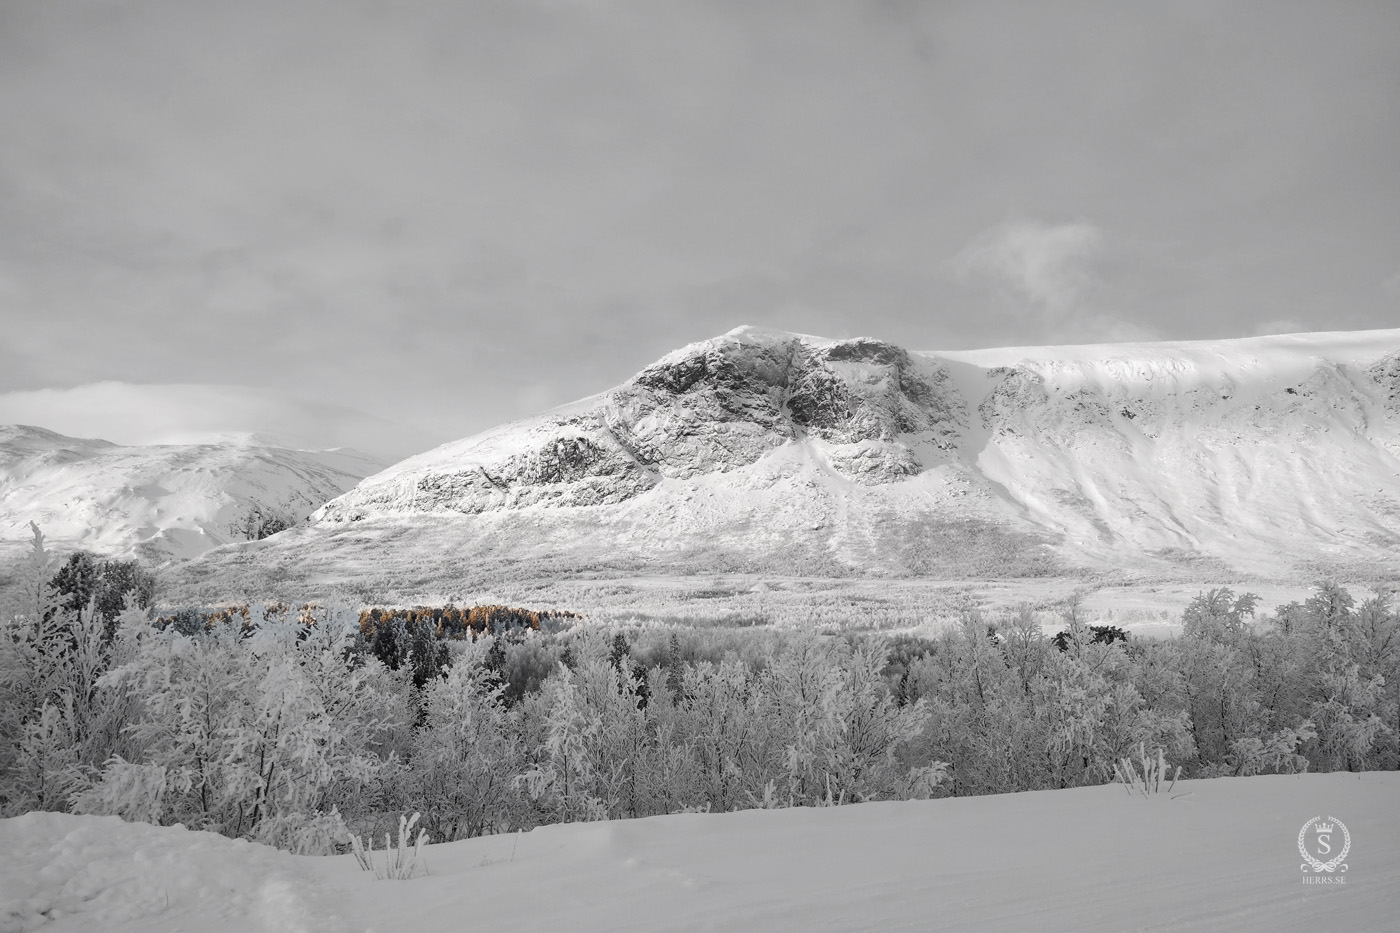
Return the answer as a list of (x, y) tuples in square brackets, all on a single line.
[(760, 451), (160, 501), (1223, 858)]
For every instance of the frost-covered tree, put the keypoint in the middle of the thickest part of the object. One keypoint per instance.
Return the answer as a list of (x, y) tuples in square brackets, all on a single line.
[(108, 585), (467, 754), (595, 731), (56, 725), (719, 719), (1218, 615), (832, 728), (257, 735), (30, 594), (1348, 726)]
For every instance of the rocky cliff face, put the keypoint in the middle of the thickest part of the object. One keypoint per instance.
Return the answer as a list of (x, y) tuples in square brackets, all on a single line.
[(724, 404), (877, 413), (763, 450), (1385, 372)]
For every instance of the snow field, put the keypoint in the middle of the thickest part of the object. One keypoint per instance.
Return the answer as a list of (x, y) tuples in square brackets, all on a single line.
[(91, 873), (1223, 857)]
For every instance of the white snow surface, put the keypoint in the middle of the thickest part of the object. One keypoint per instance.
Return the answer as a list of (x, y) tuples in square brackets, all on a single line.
[(1221, 855), (160, 501), (65, 872)]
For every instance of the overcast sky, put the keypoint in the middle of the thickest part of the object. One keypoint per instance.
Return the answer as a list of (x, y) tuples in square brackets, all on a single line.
[(450, 214)]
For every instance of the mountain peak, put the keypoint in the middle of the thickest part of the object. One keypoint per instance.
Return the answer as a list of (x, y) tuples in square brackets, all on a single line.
[(21, 433), (756, 333), (858, 453), (160, 500)]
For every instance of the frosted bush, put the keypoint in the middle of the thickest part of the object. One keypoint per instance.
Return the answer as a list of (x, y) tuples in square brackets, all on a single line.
[(1149, 780), (398, 863)]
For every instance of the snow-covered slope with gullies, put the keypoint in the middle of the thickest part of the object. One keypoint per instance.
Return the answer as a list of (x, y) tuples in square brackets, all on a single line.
[(1262, 452), (160, 501), (766, 450)]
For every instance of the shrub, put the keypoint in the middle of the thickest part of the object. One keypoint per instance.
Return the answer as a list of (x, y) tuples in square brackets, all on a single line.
[(259, 522), (1149, 780), (401, 861)]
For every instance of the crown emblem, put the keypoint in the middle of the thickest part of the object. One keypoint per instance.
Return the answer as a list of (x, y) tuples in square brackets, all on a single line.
[(1337, 863)]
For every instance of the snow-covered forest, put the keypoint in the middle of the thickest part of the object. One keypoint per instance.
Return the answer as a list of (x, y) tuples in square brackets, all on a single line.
[(295, 727)]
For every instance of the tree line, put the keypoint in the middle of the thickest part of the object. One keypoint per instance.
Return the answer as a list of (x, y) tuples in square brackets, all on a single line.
[(292, 726)]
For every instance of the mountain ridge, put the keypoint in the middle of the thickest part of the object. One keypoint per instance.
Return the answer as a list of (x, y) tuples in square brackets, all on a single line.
[(160, 501), (760, 450)]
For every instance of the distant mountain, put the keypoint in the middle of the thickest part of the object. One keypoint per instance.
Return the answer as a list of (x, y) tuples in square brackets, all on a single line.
[(161, 501), (138, 414), (769, 451)]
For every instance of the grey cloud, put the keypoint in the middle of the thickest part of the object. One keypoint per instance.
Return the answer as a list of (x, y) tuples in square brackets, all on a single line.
[(1049, 265), (443, 213)]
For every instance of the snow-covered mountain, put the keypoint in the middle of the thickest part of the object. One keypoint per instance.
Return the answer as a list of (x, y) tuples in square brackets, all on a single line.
[(161, 501), (767, 451)]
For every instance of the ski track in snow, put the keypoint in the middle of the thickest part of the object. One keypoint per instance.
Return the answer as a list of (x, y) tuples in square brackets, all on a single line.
[(1222, 857)]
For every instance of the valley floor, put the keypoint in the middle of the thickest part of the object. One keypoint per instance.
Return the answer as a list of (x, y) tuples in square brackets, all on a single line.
[(1222, 855), (833, 605)]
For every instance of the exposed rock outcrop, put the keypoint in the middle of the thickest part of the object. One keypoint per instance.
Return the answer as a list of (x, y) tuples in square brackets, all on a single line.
[(712, 407)]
